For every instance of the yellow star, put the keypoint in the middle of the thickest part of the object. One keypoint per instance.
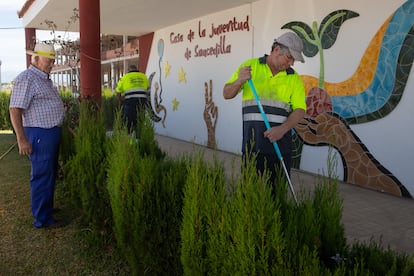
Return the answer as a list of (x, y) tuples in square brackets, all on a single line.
[(175, 104), (167, 69), (181, 76)]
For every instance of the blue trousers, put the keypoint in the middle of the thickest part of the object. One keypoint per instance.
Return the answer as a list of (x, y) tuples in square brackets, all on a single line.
[(44, 162), (130, 109)]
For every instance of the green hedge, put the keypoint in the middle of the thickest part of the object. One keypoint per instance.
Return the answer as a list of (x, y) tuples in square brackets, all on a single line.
[(146, 198), (85, 170), (181, 217), (110, 105), (5, 123)]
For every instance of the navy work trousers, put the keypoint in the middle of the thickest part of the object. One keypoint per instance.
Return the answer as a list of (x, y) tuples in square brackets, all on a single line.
[(44, 162), (131, 107)]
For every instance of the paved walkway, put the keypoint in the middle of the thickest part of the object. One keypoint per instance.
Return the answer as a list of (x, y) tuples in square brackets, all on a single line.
[(366, 214)]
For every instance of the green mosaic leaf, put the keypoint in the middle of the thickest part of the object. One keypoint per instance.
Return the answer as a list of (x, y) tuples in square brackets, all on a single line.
[(330, 25)]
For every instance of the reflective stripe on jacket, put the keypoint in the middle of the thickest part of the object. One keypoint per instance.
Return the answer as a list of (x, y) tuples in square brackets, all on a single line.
[(279, 94), (133, 85)]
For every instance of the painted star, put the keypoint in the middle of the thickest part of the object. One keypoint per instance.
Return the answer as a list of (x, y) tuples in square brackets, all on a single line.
[(181, 76), (175, 104), (167, 69)]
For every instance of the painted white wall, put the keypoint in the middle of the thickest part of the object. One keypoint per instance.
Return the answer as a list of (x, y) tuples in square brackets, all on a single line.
[(387, 139), (187, 121)]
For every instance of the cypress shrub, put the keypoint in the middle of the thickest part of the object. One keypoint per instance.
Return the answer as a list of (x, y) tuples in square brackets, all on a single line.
[(5, 123), (301, 230), (86, 170), (314, 223), (169, 217), (181, 216), (70, 124), (308, 263), (161, 210), (146, 199), (328, 211), (194, 229), (379, 261), (110, 107), (314, 227), (235, 235), (146, 136), (257, 241), (121, 174), (215, 209)]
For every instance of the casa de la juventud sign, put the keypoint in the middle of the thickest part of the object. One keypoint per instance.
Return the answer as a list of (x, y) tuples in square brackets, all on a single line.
[(215, 31)]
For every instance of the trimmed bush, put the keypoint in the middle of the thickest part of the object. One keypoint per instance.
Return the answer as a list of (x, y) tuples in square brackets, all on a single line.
[(175, 217), (372, 257), (203, 248), (85, 171), (146, 199), (5, 123)]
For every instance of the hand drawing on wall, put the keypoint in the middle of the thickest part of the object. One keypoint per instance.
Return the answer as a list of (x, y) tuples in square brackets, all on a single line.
[(210, 115), (362, 98), (360, 166)]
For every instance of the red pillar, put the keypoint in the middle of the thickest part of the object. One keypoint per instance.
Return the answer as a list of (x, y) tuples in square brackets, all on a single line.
[(144, 48), (30, 37), (90, 49)]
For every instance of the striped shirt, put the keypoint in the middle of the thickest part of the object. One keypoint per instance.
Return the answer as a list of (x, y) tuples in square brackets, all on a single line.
[(34, 92)]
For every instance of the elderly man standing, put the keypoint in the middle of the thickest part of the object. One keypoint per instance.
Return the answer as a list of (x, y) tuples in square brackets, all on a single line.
[(37, 112)]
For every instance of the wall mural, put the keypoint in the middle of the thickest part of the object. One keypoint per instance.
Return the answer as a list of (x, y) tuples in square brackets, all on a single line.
[(202, 31), (158, 107), (371, 93), (155, 105)]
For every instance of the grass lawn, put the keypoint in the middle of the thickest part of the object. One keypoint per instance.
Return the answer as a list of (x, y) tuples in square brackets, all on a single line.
[(25, 250)]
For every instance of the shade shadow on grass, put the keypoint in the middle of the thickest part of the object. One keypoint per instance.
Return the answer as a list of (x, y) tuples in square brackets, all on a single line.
[(25, 250)]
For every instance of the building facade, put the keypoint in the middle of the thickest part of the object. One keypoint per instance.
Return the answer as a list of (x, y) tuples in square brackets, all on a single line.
[(357, 74)]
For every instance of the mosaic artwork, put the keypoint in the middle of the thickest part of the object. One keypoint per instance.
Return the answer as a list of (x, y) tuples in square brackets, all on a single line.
[(371, 93)]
